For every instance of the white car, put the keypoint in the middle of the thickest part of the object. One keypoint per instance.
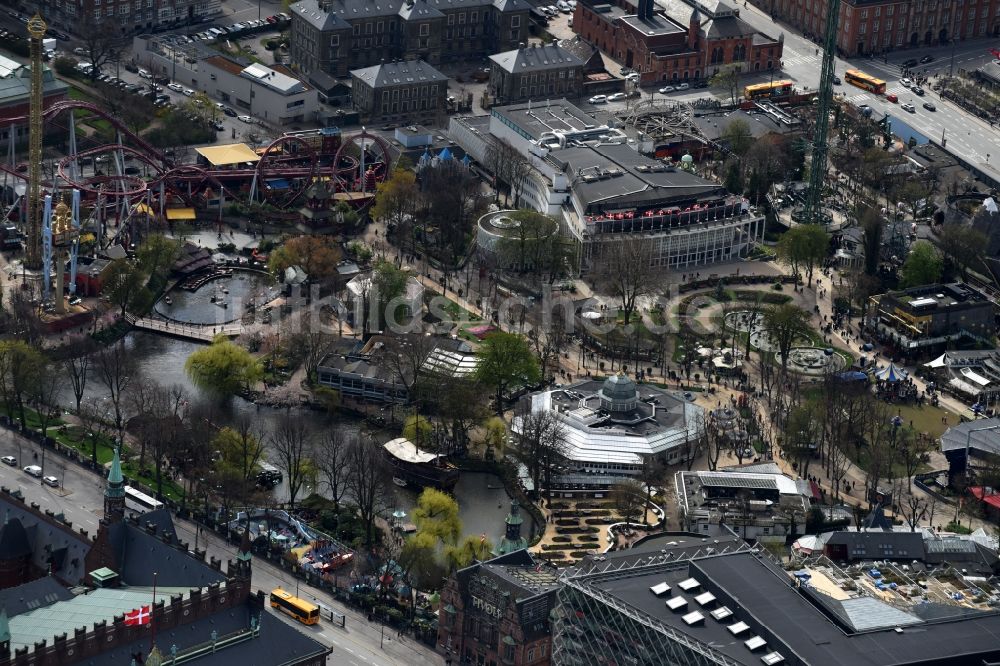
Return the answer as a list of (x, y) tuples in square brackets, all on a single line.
[(188, 92), (906, 83), (683, 86), (246, 119), (598, 99), (50, 481), (33, 470), (617, 97), (176, 87), (667, 89), (143, 74), (9, 460), (906, 106)]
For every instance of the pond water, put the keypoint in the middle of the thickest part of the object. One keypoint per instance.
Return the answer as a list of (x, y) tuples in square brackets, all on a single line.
[(218, 301), (483, 502)]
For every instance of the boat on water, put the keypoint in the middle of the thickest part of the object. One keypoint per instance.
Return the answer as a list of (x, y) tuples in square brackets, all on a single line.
[(414, 468)]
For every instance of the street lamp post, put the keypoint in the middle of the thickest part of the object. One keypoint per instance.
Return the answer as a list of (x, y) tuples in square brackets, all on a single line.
[(951, 67)]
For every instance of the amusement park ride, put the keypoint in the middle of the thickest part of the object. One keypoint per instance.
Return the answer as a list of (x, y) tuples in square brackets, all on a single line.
[(133, 180)]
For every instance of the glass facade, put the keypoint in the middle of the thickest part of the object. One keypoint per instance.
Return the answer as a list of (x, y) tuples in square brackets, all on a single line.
[(594, 627)]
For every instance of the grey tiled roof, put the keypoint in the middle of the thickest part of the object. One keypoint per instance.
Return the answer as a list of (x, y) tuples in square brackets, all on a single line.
[(536, 58), (399, 73)]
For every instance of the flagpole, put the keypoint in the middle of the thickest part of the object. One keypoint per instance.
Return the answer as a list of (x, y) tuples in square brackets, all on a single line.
[(152, 617)]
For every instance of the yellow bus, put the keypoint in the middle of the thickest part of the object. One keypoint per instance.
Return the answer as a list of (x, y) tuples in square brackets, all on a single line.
[(303, 611), (765, 90), (865, 81)]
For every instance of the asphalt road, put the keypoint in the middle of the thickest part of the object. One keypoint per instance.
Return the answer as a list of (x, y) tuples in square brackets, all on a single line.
[(80, 499)]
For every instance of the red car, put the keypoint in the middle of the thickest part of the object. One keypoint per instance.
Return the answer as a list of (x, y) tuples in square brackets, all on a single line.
[(892, 98)]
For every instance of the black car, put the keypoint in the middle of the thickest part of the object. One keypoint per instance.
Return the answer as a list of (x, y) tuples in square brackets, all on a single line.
[(836, 80), (912, 62), (926, 59), (918, 91), (930, 106), (217, 125), (229, 112)]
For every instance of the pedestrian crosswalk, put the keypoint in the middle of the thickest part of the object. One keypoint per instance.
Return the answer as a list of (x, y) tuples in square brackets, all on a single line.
[(790, 58)]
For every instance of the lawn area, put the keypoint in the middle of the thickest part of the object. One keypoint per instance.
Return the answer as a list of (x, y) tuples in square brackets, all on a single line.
[(171, 490), (78, 438), (30, 417), (456, 312), (928, 418), (79, 95)]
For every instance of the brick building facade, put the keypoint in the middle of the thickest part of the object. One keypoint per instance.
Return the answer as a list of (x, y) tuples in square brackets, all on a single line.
[(678, 40), (879, 26), (337, 36), (497, 612)]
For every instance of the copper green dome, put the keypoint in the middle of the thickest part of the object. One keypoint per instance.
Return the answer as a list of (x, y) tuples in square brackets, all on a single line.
[(619, 394)]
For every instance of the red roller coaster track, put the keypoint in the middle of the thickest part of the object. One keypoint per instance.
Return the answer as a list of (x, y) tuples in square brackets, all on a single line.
[(289, 158)]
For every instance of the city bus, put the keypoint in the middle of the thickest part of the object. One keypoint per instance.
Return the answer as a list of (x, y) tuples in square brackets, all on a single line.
[(140, 502), (303, 611), (858, 78), (766, 90)]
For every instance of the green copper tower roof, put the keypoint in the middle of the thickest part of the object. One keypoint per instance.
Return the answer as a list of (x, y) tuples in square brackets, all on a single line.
[(116, 482)]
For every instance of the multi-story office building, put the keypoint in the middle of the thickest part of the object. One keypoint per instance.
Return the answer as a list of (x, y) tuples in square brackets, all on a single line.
[(537, 71), (409, 91), (337, 36), (130, 16), (676, 40), (932, 315), (878, 26)]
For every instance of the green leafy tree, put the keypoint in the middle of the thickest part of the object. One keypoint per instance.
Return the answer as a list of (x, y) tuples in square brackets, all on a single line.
[(727, 79), (396, 200), (125, 286), (804, 246), (419, 430), (737, 136), (421, 563), (784, 324), (223, 368), (436, 514), (316, 255), (922, 266), (473, 548), (506, 359), (20, 368), (157, 254), (241, 447), (734, 177), (872, 228)]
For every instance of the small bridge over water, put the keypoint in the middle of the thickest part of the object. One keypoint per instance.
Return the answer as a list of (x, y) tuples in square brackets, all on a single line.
[(196, 332)]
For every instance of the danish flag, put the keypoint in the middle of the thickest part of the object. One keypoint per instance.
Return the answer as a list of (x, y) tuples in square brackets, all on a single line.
[(138, 616)]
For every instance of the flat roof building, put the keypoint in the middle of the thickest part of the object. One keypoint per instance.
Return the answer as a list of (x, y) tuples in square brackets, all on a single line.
[(595, 178), (743, 608), (933, 315)]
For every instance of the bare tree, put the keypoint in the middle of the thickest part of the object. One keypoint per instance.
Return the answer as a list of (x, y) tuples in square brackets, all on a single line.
[(76, 368), (626, 267), (838, 464), (541, 442), (406, 354), (369, 482), (914, 509), (160, 424), (116, 370), (331, 456), (627, 497), (292, 444), (102, 41)]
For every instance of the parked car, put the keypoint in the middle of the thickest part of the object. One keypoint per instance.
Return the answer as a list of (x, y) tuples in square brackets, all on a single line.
[(9, 460), (930, 106), (50, 481), (187, 92), (926, 59), (617, 97), (33, 470), (229, 112), (217, 125), (176, 87), (906, 106), (598, 99), (667, 89), (246, 119), (683, 86)]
